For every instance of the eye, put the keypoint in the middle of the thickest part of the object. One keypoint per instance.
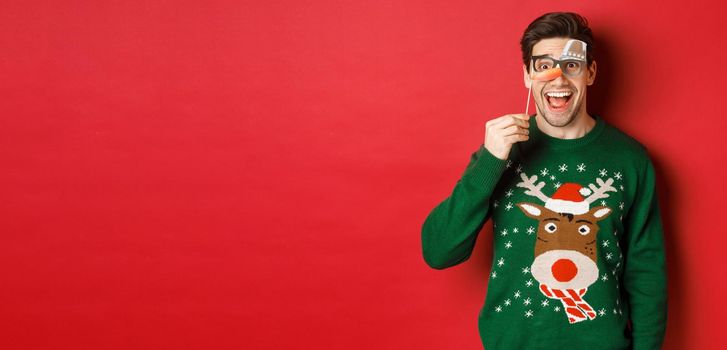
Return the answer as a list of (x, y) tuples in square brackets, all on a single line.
[(542, 64), (550, 227), (572, 66), (584, 230)]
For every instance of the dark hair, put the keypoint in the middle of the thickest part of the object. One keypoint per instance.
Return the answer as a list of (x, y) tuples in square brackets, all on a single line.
[(554, 25)]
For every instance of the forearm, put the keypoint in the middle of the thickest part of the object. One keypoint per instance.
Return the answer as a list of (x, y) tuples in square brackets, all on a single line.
[(450, 231)]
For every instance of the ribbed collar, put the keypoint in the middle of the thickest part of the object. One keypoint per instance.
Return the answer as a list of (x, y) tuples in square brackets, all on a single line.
[(557, 143)]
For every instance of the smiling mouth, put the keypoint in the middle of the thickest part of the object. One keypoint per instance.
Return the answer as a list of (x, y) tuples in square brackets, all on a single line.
[(558, 103)]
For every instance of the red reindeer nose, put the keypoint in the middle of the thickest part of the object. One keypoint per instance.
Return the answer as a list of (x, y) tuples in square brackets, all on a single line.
[(564, 270)]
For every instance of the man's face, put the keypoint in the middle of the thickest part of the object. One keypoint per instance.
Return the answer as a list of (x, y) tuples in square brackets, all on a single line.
[(575, 103)]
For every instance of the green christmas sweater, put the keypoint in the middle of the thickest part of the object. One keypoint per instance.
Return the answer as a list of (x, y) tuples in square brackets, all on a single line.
[(578, 252)]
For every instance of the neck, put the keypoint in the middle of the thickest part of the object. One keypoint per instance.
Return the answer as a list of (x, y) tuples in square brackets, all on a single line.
[(581, 125)]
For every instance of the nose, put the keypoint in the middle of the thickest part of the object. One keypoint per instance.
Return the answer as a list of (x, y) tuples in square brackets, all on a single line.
[(564, 270), (561, 78)]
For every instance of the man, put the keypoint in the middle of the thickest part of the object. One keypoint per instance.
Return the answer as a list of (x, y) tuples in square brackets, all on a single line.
[(578, 252)]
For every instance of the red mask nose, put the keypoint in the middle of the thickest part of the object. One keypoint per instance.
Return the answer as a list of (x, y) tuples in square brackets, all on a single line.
[(564, 270)]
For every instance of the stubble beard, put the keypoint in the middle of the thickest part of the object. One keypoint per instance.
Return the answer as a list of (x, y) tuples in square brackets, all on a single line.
[(559, 122)]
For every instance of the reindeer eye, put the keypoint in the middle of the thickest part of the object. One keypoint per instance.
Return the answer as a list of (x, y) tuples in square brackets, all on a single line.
[(550, 227), (584, 230)]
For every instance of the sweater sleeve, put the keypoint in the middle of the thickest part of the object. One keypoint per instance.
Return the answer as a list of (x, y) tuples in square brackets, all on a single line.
[(450, 230), (645, 278)]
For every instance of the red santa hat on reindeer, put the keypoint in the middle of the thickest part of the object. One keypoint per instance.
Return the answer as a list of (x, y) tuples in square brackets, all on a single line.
[(569, 199)]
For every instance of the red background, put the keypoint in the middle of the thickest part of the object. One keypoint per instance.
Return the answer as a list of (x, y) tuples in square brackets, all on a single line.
[(211, 175)]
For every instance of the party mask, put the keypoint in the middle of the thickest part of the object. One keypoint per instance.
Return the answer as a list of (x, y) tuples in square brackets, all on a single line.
[(571, 62)]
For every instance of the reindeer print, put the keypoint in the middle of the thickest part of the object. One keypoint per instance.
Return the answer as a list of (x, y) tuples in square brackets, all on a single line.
[(565, 257)]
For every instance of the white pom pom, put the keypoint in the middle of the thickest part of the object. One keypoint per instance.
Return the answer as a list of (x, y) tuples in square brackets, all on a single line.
[(585, 191)]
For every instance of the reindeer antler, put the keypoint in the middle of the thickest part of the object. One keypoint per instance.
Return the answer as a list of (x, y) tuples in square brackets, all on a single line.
[(600, 192), (532, 188)]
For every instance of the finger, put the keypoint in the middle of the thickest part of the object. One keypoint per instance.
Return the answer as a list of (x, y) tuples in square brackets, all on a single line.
[(502, 124), (507, 120), (513, 121), (516, 138), (494, 122), (522, 122), (515, 129)]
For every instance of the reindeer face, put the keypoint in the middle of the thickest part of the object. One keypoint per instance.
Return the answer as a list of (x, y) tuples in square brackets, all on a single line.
[(566, 231), (565, 249)]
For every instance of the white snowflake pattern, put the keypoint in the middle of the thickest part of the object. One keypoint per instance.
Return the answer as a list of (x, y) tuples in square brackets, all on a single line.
[(602, 312), (545, 302), (507, 302), (519, 168), (515, 230), (508, 206), (581, 168), (557, 308), (517, 294), (495, 204), (527, 301), (544, 171), (529, 313), (501, 262), (605, 243), (526, 269), (557, 184), (498, 308), (509, 193), (602, 172), (529, 283), (618, 175), (552, 177), (531, 230), (508, 245), (494, 274), (621, 206), (605, 277), (503, 233), (621, 187), (509, 164), (563, 168), (609, 256), (603, 203)]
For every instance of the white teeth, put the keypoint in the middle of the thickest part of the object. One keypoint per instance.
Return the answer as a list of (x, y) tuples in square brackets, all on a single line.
[(559, 94)]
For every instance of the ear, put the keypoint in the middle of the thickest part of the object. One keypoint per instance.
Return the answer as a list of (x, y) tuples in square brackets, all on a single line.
[(600, 213), (532, 210), (526, 77), (591, 73)]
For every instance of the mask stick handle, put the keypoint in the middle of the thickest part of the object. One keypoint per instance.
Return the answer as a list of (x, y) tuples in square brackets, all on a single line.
[(527, 106)]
